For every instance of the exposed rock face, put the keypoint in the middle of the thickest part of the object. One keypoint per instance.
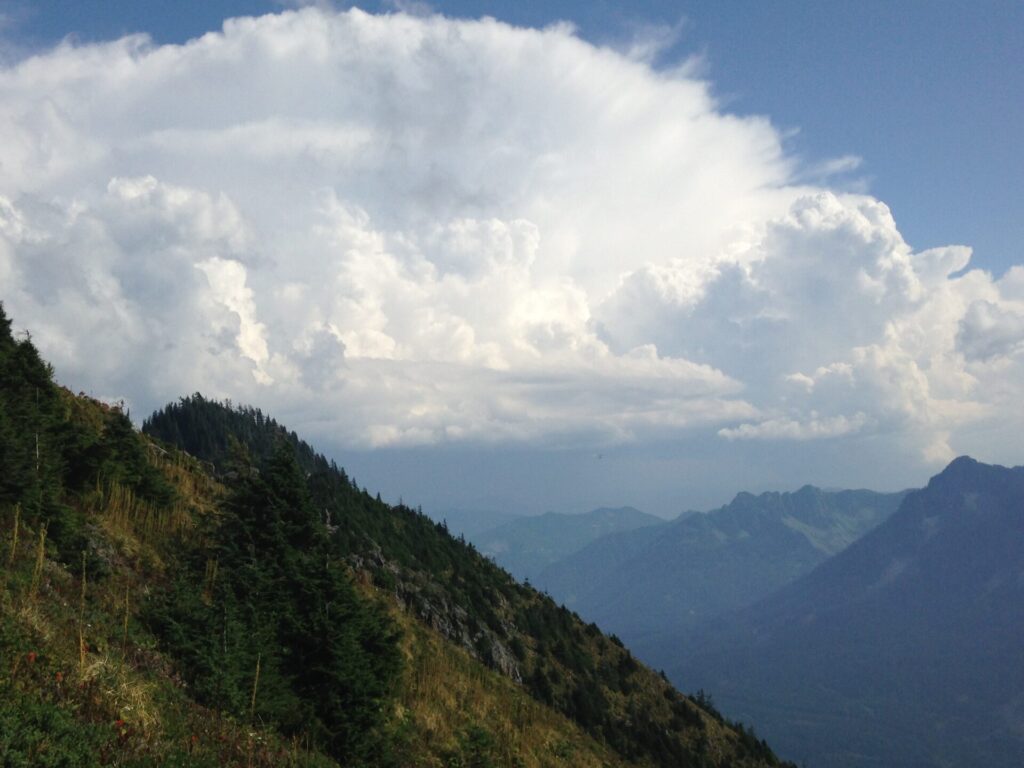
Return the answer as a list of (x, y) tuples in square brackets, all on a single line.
[(502, 659), (431, 605)]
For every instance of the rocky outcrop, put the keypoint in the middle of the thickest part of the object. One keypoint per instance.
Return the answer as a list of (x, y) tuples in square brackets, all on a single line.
[(431, 604)]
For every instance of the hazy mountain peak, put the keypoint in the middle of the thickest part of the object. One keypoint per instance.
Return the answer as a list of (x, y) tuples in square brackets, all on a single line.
[(767, 499), (650, 579), (853, 663), (527, 545), (970, 471), (808, 491)]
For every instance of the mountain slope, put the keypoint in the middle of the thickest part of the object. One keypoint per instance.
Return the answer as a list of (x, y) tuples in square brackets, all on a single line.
[(526, 545), (83, 684), (648, 583), (449, 586), (470, 522), (904, 649), (252, 606)]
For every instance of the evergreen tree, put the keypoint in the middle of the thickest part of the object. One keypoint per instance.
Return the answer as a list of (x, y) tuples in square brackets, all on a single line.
[(328, 657)]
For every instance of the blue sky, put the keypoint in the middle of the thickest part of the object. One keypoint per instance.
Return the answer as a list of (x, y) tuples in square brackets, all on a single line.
[(929, 93), (679, 250)]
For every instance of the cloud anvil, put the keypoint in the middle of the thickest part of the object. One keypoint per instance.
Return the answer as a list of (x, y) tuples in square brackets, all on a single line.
[(434, 230)]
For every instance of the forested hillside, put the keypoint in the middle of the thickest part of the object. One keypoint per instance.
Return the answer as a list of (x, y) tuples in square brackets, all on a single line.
[(216, 593)]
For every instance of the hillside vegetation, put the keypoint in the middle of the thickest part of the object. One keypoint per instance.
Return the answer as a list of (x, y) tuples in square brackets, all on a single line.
[(216, 593)]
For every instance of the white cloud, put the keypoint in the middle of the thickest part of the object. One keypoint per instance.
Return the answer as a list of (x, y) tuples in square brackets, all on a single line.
[(408, 230), (836, 166), (788, 429), (411, 7), (990, 331), (836, 326), (650, 41), (227, 283)]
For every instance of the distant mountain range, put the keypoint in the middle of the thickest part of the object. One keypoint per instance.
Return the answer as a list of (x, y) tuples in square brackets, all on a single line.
[(905, 649), (471, 522), (652, 582), (524, 546)]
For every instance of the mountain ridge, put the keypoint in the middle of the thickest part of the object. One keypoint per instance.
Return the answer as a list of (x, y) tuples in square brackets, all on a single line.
[(526, 545), (904, 648), (642, 584)]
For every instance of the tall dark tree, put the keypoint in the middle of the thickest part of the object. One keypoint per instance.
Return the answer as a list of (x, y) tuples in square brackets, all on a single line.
[(328, 657)]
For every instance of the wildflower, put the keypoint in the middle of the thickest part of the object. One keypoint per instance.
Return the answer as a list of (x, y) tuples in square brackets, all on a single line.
[(31, 657)]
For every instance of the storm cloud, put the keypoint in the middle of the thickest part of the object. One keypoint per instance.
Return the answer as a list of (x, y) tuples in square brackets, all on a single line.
[(409, 230)]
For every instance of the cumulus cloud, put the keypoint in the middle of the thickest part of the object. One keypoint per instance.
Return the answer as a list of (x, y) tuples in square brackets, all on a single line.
[(839, 326), (990, 331), (406, 229), (794, 430)]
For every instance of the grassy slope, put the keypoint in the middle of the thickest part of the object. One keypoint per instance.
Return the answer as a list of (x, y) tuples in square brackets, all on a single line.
[(115, 699)]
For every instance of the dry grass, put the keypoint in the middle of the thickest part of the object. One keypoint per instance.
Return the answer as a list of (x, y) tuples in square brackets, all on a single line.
[(123, 512), (70, 640), (69, 647), (446, 692), (143, 531), (197, 489)]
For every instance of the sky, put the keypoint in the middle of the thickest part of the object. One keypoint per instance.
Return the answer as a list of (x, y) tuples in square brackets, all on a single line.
[(524, 256)]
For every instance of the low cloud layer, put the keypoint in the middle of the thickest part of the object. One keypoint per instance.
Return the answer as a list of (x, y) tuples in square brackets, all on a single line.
[(405, 230)]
